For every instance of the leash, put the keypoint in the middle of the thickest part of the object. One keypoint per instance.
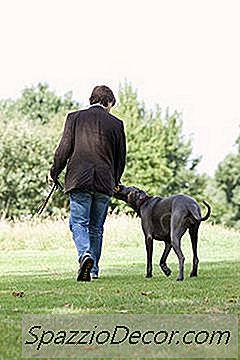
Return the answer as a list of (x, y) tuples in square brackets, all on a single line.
[(55, 186)]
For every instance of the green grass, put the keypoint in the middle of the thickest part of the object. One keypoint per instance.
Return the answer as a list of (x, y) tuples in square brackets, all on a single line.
[(39, 259)]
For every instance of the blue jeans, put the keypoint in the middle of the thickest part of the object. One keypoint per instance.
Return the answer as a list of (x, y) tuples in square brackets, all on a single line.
[(88, 211)]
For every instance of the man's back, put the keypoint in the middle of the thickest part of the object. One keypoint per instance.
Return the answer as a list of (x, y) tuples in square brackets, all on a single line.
[(95, 143)]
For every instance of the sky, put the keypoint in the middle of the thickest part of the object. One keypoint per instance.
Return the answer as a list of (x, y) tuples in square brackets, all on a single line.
[(181, 54)]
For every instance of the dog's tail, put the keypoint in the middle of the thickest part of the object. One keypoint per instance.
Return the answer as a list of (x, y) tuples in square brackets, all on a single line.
[(195, 211), (208, 211)]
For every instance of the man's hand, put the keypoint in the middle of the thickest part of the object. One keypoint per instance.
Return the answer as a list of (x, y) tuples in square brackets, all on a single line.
[(116, 188), (50, 180)]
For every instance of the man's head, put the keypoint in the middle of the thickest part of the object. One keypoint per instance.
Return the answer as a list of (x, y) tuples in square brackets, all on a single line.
[(103, 95)]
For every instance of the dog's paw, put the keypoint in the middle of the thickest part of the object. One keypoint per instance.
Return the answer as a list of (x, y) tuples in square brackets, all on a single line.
[(193, 274), (167, 272), (148, 275), (180, 278)]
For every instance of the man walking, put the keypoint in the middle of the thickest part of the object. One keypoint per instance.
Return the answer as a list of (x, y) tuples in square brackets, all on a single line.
[(93, 147)]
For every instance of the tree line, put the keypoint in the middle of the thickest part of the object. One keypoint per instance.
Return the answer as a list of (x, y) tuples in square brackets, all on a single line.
[(159, 156)]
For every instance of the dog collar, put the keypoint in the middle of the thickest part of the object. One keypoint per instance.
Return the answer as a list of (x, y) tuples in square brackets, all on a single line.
[(142, 201)]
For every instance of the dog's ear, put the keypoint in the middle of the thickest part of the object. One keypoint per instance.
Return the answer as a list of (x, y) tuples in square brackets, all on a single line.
[(131, 196), (142, 195)]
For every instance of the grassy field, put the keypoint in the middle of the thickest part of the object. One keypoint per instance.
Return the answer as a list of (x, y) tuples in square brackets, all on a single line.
[(40, 260)]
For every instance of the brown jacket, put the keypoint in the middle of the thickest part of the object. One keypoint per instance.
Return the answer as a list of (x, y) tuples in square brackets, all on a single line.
[(94, 148)]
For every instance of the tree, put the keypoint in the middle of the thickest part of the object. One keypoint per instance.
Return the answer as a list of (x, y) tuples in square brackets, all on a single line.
[(227, 178), (159, 156), (40, 103)]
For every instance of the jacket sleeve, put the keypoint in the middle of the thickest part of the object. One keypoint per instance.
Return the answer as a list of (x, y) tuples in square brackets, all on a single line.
[(120, 159), (64, 149)]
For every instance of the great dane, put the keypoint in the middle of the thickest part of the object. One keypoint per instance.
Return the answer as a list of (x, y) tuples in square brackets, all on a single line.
[(166, 219)]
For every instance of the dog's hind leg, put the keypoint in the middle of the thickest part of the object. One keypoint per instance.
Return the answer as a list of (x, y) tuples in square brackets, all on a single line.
[(193, 231), (163, 259), (178, 228), (149, 249)]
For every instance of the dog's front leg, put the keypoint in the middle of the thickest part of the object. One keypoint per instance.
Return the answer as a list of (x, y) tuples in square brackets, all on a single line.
[(163, 264), (149, 249)]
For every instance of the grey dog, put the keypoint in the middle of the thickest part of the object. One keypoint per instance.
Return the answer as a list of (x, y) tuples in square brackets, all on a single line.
[(166, 219)]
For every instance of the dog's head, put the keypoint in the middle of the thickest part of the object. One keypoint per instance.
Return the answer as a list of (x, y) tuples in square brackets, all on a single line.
[(121, 192), (130, 194)]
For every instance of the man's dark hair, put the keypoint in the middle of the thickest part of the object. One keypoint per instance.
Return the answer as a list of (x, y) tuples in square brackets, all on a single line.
[(102, 95)]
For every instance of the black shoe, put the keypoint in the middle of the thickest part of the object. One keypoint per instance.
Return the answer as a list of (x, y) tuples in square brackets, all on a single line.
[(86, 265), (94, 276)]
